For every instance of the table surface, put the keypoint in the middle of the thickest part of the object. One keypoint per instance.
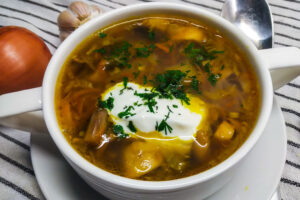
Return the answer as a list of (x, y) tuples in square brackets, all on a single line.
[(17, 179)]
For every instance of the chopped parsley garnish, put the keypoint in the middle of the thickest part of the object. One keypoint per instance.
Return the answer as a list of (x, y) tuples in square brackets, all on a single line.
[(170, 111), (102, 50), (142, 52), (175, 106), (170, 84), (151, 35), (119, 131), (131, 126), (145, 80), (102, 35), (118, 53), (200, 55), (171, 48), (136, 74), (109, 103), (125, 82), (195, 84), (163, 125), (126, 113), (148, 99), (212, 78), (145, 51)]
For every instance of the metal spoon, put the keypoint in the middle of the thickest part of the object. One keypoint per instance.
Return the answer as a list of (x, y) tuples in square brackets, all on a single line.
[(254, 18)]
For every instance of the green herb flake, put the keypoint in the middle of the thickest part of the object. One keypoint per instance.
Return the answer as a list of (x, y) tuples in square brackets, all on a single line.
[(131, 127), (142, 52), (125, 82), (119, 131), (171, 48), (164, 126), (145, 80), (108, 104), (148, 99), (119, 54), (201, 54), (151, 35), (170, 85), (102, 35), (170, 111), (126, 113), (222, 67), (136, 74), (102, 50), (195, 84), (145, 51), (152, 46), (175, 106), (213, 78)]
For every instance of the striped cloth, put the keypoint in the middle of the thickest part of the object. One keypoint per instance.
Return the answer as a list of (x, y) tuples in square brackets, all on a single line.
[(17, 179)]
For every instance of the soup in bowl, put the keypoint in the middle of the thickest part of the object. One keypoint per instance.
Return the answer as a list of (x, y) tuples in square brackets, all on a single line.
[(157, 97), (156, 100)]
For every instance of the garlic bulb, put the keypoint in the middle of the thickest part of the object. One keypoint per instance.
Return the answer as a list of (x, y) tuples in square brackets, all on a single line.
[(77, 14)]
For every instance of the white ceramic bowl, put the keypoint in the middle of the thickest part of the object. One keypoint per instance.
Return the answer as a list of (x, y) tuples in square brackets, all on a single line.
[(116, 187)]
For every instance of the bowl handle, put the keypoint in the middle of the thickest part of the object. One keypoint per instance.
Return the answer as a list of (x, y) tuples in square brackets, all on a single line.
[(284, 64), (20, 102), (15, 110)]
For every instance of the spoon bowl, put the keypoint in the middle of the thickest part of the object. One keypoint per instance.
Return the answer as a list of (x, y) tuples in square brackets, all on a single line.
[(254, 18)]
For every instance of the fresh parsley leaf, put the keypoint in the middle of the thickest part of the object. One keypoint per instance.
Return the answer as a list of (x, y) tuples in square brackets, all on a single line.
[(126, 113), (119, 131), (145, 51), (200, 55), (102, 35), (148, 99), (136, 74), (145, 80), (119, 54), (213, 78), (170, 85), (109, 103), (195, 84), (131, 126), (170, 111), (142, 52), (152, 46), (151, 35), (171, 48), (164, 126), (125, 82), (175, 106), (102, 50)]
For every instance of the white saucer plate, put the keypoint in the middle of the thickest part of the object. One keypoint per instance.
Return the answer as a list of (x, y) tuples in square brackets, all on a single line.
[(257, 178)]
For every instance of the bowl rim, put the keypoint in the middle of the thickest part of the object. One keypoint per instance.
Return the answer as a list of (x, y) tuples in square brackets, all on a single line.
[(91, 170)]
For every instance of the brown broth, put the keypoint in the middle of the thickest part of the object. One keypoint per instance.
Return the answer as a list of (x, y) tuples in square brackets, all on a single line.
[(87, 74)]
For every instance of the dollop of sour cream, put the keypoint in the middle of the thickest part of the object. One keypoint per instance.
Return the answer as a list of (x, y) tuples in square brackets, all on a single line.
[(183, 120)]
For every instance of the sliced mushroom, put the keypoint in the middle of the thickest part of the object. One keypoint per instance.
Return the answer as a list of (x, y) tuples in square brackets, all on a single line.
[(201, 146), (140, 158), (97, 127)]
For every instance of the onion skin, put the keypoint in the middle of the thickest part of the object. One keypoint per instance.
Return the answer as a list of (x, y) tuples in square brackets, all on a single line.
[(23, 61)]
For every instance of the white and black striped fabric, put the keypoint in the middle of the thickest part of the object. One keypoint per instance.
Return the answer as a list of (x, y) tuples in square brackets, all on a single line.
[(17, 179)]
